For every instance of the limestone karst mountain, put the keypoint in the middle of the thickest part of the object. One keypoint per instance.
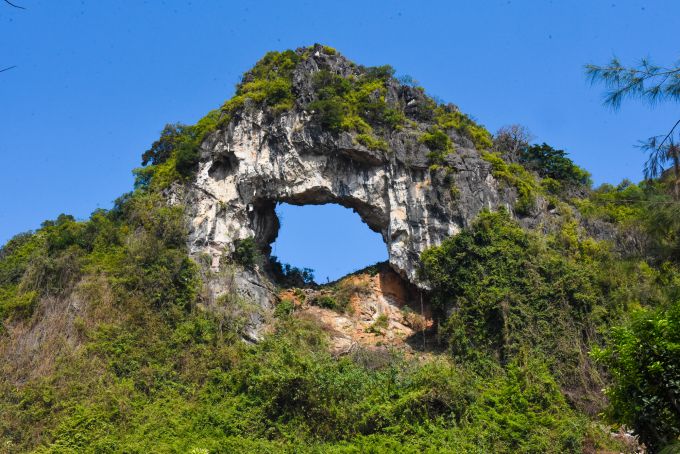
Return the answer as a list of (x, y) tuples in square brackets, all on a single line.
[(336, 132), (163, 324)]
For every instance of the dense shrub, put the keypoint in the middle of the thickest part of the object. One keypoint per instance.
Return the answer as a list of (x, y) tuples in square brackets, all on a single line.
[(247, 253), (269, 84), (552, 163), (288, 276), (518, 177), (174, 156), (509, 291), (643, 358), (355, 103)]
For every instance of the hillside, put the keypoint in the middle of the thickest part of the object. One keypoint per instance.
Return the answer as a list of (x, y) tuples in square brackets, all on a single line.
[(514, 293)]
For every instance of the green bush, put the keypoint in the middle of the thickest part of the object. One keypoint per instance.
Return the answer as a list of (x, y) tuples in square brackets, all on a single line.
[(175, 155), (518, 177), (284, 308), (372, 143), (507, 290), (551, 163), (438, 142), (268, 84), (643, 359), (450, 118), (355, 103), (247, 253), (327, 302)]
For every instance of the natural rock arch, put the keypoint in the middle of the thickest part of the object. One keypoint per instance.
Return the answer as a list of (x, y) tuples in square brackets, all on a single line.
[(413, 195), (247, 168)]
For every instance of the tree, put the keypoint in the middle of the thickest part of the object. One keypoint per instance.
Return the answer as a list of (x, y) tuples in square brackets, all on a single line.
[(549, 162), (510, 140), (161, 150), (653, 84), (643, 359)]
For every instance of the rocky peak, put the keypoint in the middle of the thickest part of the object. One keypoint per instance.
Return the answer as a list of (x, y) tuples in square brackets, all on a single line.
[(311, 127)]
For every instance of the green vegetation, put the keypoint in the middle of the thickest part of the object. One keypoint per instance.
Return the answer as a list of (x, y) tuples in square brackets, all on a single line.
[(247, 253), (174, 156), (644, 360), (448, 118), (152, 371), (511, 292), (438, 142), (269, 84), (548, 162), (284, 308), (371, 142), (111, 340), (646, 212), (518, 177), (451, 118), (379, 325), (288, 276), (538, 170), (356, 103)]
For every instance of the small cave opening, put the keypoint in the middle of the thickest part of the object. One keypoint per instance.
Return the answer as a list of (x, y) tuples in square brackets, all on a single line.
[(330, 240)]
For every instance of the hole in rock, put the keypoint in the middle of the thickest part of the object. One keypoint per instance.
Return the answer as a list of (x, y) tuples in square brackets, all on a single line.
[(330, 239)]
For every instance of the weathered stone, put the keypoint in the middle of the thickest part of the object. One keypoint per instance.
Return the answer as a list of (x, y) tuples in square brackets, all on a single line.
[(260, 159)]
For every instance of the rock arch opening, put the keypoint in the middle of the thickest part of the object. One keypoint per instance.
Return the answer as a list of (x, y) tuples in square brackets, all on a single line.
[(328, 238)]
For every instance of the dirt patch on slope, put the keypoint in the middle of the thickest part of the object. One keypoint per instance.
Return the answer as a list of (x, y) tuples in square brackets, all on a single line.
[(374, 310)]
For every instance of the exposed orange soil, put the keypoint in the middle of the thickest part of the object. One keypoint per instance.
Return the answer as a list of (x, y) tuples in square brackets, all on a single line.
[(383, 311)]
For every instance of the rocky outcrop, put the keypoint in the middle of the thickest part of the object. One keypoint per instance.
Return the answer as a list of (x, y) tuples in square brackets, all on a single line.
[(260, 159), (382, 312)]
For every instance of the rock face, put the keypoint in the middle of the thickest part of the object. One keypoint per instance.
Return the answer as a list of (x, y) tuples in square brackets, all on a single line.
[(260, 159)]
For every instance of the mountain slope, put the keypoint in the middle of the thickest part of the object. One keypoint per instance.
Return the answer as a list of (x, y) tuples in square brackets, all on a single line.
[(156, 326)]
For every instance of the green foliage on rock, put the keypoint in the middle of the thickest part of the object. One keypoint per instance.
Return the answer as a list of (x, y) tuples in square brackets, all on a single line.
[(355, 103), (269, 84), (371, 142), (174, 156), (451, 118), (247, 253), (549, 162), (646, 212), (439, 143), (518, 177)]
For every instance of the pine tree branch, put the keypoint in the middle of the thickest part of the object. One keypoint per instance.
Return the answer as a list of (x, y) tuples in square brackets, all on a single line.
[(12, 4), (669, 134)]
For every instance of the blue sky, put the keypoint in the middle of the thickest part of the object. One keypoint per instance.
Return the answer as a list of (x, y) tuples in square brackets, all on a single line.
[(96, 80)]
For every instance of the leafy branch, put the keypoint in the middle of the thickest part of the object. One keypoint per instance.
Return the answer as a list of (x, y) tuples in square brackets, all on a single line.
[(652, 83), (646, 80)]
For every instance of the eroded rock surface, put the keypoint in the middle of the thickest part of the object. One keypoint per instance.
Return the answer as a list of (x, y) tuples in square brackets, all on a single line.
[(260, 159), (382, 311)]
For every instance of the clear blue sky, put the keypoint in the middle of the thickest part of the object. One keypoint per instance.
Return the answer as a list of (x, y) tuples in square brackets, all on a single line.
[(96, 80)]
